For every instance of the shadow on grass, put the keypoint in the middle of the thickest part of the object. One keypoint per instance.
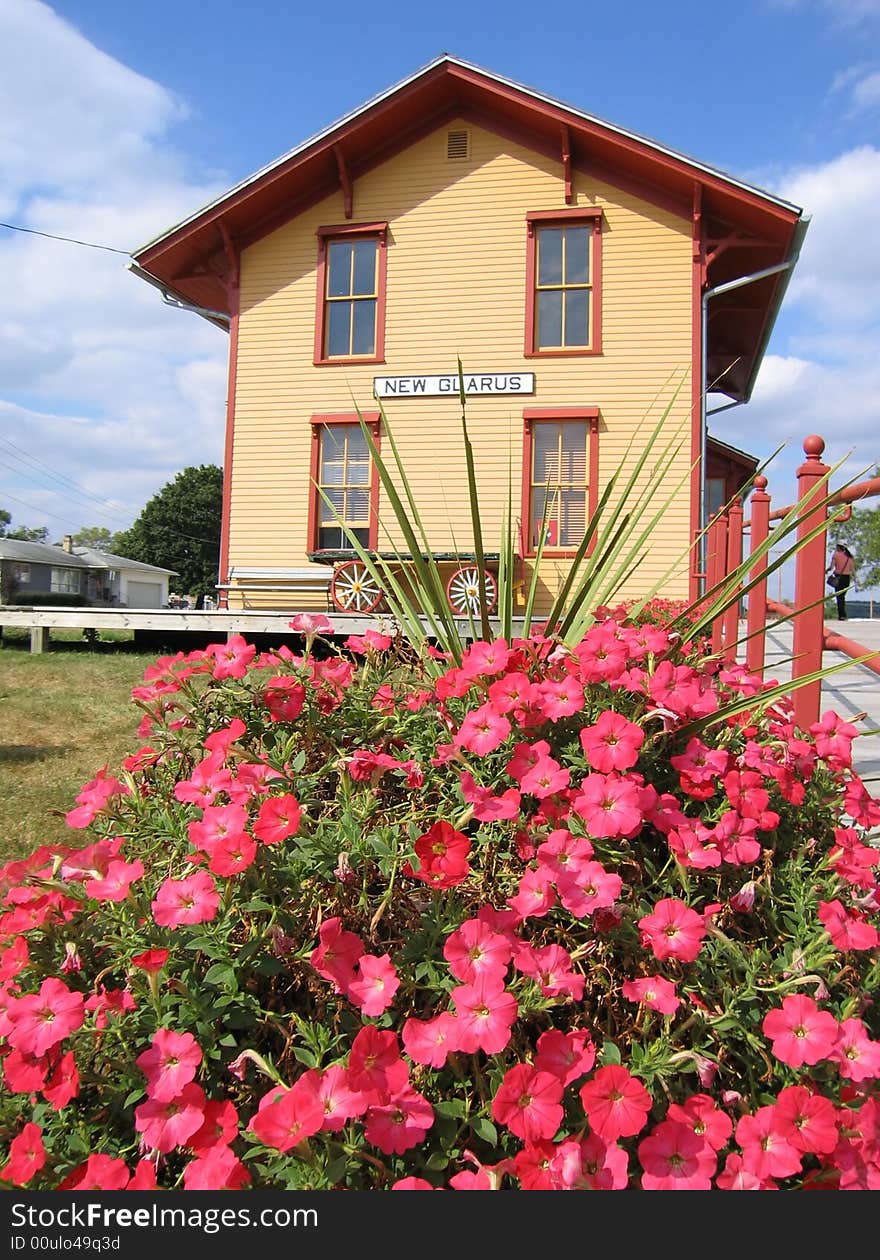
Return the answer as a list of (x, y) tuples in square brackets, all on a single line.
[(21, 754)]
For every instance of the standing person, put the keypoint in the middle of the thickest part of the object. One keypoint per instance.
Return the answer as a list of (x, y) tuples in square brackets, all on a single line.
[(841, 568)]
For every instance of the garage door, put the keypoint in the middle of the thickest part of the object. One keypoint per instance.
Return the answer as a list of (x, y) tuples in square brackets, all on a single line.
[(144, 595)]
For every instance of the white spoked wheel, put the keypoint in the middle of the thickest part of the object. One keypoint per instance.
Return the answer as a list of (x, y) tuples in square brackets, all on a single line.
[(463, 591), (354, 589)]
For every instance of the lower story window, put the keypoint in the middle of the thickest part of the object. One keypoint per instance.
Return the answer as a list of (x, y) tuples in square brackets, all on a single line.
[(560, 471), (65, 581), (344, 483)]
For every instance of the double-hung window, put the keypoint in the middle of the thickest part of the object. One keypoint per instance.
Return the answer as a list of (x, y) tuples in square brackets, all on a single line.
[(65, 581), (560, 475), (350, 323), (563, 281), (345, 483)]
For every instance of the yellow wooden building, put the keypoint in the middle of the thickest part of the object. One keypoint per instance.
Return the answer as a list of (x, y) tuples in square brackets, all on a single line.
[(578, 272)]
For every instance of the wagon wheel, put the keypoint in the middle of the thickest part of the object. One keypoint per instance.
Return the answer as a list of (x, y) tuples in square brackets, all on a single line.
[(463, 591), (354, 589)]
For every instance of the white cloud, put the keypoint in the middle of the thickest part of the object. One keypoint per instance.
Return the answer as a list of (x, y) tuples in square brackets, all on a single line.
[(99, 380)]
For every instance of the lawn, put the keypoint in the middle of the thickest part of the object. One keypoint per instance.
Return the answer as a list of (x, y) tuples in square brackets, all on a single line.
[(63, 714)]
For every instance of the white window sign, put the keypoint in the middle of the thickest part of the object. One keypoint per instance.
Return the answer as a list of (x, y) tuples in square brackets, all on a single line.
[(436, 386)]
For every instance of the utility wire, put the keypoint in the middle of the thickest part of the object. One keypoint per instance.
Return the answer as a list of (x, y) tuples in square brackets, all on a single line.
[(12, 227)]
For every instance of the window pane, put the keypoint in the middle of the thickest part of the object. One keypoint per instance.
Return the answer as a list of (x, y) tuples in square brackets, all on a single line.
[(338, 328), (364, 267), (337, 502), (577, 256), (539, 497), (357, 506), (357, 444), (331, 538), (364, 337), (550, 318), (577, 317), (333, 473), (339, 268), (545, 457), (574, 452), (550, 256), (572, 517)]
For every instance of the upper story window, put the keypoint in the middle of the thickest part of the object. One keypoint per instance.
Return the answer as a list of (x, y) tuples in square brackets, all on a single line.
[(560, 475), (343, 471), (563, 277), (350, 324)]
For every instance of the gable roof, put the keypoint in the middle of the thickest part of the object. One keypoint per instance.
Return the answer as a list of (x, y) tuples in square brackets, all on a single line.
[(39, 553), (106, 560), (746, 230)]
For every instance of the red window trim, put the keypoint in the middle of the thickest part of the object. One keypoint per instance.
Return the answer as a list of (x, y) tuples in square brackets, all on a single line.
[(535, 415), (318, 422), (334, 232), (547, 218)]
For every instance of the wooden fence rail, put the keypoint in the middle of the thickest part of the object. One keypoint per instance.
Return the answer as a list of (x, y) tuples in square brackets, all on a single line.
[(724, 554)]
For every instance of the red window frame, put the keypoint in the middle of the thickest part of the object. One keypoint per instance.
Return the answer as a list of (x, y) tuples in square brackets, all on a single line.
[(537, 415), (326, 235), (319, 422), (578, 216)]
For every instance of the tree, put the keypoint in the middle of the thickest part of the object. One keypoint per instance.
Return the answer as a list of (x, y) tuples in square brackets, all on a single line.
[(94, 536), (22, 533), (861, 533), (180, 529)]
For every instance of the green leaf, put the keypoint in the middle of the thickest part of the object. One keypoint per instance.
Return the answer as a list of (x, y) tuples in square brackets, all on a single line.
[(610, 1052), (452, 1107), (220, 974), (486, 1130)]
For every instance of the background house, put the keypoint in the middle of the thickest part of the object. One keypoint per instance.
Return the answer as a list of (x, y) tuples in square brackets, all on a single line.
[(578, 271), (42, 570)]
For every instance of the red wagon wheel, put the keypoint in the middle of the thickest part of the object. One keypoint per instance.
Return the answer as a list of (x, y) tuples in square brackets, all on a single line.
[(463, 591), (354, 589)]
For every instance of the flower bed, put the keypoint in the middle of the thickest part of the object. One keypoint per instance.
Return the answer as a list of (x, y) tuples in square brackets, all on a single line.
[(551, 918)]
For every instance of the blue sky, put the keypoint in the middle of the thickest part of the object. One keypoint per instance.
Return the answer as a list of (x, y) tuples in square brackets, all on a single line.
[(117, 120)]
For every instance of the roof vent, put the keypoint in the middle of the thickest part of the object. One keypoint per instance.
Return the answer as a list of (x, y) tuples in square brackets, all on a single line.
[(458, 145)]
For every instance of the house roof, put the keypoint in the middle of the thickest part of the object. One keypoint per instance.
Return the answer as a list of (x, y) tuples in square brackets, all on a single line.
[(40, 553), (747, 231), (106, 560)]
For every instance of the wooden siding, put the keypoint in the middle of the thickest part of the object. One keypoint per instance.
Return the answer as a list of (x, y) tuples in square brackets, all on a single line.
[(456, 289)]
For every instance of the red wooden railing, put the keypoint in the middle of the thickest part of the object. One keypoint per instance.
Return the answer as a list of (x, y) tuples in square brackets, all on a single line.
[(724, 554)]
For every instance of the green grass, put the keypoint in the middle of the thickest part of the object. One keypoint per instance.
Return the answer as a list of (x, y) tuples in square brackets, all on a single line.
[(64, 714)]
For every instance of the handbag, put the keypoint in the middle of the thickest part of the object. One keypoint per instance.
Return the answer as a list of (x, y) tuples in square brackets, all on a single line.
[(832, 580)]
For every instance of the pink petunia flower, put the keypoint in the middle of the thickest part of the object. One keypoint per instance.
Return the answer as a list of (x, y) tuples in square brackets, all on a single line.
[(400, 1123), (809, 1120), (182, 901), (673, 930), (336, 957), (857, 1056), (609, 805), (278, 819), (431, 1041), (170, 1063), (529, 1103), (375, 984), (286, 1117), (473, 950), (800, 1032), (41, 1020), (482, 730), (171, 1123), (673, 1157), (567, 1055), (652, 991), (486, 1014), (27, 1155), (616, 1102), (612, 742), (767, 1149)]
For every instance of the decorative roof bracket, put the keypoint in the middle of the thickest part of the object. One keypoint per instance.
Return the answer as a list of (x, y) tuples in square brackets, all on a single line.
[(344, 180), (566, 165)]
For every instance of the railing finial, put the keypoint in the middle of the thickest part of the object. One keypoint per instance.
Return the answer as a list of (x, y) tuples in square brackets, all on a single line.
[(814, 446)]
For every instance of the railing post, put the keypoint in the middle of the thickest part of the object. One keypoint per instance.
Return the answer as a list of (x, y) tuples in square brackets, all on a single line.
[(717, 552), (756, 617), (809, 585), (734, 552)]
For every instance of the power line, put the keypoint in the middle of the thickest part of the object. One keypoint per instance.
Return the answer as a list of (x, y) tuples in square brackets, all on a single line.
[(44, 472), (71, 240)]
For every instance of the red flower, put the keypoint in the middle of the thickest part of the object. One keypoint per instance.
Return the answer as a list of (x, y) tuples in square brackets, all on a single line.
[(529, 1103), (616, 1103), (673, 930), (27, 1155)]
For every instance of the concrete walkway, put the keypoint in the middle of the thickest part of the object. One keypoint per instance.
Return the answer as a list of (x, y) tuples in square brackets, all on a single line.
[(853, 693)]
